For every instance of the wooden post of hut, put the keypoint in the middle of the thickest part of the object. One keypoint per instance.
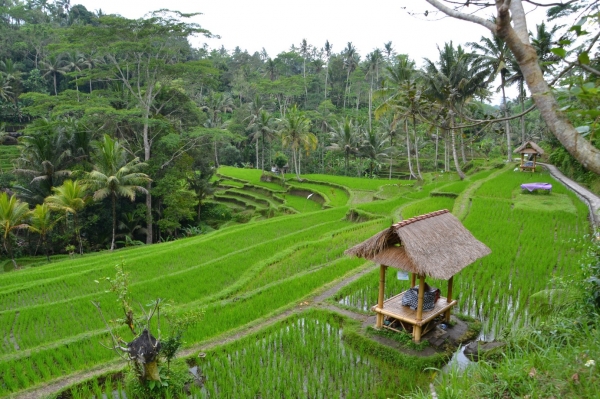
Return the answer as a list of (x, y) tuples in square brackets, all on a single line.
[(434, 245), (532, 150)]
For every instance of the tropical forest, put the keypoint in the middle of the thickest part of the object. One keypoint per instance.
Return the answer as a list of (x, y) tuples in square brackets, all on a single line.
[(186, 221)]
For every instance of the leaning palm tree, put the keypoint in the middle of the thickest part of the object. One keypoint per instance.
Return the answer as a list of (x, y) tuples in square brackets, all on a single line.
[(113, 176), (69, 198), (295, 135), (345, 139), (13, 214)]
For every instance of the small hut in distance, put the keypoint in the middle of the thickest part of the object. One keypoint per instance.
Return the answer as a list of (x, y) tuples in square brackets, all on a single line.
[(532, 150), (435, 245)]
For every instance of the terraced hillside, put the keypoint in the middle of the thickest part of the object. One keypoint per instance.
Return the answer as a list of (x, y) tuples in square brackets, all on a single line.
[(247, 275)]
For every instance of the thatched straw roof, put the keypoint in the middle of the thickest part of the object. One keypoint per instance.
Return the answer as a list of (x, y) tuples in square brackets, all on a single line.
[(529, 147), (435, 245)]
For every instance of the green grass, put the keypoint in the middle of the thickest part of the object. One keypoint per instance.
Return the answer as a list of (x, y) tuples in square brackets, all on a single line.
[(333, 196), (358, 183), (252, 176)]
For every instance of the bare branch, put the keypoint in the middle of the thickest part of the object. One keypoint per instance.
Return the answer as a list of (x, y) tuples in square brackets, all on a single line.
[(465, 17)]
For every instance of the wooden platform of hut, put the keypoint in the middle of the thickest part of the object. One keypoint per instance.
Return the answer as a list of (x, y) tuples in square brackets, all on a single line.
[(407, 318), (435, 245), (532, 150)]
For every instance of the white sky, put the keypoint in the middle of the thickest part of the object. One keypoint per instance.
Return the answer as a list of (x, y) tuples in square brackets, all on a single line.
[(276, 25)]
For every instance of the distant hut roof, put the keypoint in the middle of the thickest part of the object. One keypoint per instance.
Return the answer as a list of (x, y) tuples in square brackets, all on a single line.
[(435, 244), (529, 147)]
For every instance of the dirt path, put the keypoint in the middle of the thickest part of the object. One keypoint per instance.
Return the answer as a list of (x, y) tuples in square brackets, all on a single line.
[(319, 300)]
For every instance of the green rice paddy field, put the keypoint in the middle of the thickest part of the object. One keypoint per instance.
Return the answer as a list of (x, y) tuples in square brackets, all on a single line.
[(246, 274)]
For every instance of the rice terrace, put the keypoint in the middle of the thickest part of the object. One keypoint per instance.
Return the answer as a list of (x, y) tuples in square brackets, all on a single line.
[(391, 204)]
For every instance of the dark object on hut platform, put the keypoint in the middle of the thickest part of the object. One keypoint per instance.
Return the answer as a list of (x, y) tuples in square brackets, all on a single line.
[(144, 352), (430, 297)]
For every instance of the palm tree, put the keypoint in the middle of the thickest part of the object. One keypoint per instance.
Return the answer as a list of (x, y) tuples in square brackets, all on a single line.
[(215, 104), (113, 176), (44, 156), (295, 135), (10, 81), (54, 65), (263, 130), (374, 146), (328, 49), (42, 223), (345, 138), (402, 97), (13, 214), (69, 198), (494, 55), (452, 81), (5, 88), (350, 63), (373, 59)]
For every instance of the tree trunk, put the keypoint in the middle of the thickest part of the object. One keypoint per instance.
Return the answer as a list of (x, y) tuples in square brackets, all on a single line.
[(114, 223), (454, 155), (506, 123), (437, 140), (410, 168), (414, 123), (257, 163)]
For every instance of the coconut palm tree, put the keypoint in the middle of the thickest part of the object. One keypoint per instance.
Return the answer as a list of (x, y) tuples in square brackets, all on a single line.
[(69, 198), (295, 135), (451, 82), (13, 214), (402, 98), (5, 88), (44, 156), (113, 176), (345, 138), (375, 146), (42, 222), (263, 130), (495, 56), (351, 59), (54, 65)]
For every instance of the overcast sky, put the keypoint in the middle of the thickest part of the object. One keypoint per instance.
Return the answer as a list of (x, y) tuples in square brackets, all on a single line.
[(276, 25)]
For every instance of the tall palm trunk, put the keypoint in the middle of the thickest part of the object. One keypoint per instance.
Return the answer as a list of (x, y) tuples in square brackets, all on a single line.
[(114, 223), (414, 123), (454, 155), (410, 168), (257, 163), (437, 141), (506, 123)]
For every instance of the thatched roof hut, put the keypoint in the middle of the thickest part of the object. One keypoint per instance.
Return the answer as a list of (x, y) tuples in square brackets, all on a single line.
[(529, 147), (435, 245), (532, 150)]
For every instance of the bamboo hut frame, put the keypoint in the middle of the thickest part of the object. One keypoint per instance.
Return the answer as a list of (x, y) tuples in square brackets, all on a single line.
[(435, 245), (533, 150)]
